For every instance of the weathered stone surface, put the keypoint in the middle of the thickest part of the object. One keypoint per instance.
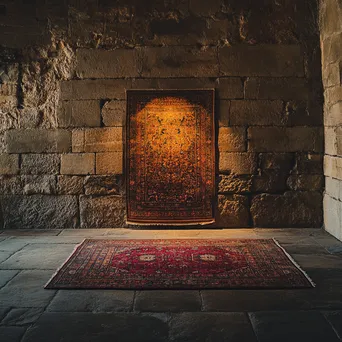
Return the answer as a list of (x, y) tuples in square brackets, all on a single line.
[(304, 113), (223, 110), (39, 212), (36, 164), (333, 167), (103, 185), (94, 89), (332, 116), (109, 163), (92, 301), (70, 185), (230, 88), (261, 60), (103, 139), (78, 164), (22, 316), (179, 61), (203, 8), (306, 182), (293, 209), (39, 184), (332, 216), (102, 212), (292, 326), (270, 181), (78, 327), (257, 113), (77, 140), (9, 164), (113, 113), (233, 211), (277, 161), (309, 163), (232, 139), (37, 141), (238, 163), (276, 88), (232, 327), (117, 63), (79, 114), (11, 185), (234, 184), (277, 139)]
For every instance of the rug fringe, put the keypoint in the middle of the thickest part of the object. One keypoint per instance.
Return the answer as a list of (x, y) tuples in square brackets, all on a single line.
[(60, 267), (294, 263)]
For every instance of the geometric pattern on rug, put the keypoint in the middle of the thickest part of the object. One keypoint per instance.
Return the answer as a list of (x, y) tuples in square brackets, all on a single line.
[(179, 264)]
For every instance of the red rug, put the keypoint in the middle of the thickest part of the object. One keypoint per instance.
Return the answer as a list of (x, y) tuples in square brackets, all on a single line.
[(179, 264)]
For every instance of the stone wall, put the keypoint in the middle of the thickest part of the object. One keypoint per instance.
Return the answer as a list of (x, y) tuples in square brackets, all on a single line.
[(331, 43), (65, 66)]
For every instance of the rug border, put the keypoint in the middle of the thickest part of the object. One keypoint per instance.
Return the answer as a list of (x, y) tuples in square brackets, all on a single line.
[(289, 257), (294, 262)]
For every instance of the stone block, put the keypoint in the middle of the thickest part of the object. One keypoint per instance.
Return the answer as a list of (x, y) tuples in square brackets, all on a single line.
[(262, 60), (333, 187), (203, 8), (113, 113), (102, 212), (77, 140), (304, 113), (277, 161), (332, 114), (10, 185), (276, 88), (230, 88), (234, 184), (332, 216), (223, 110), (293, 209), (306, 182), (107, 139), (233, 211), (179, 61), (309, 163), (109, 163), (37, 140), (103, 185), (291, 139), (36, 164), (257, 113), (270, 180), (78, 164), (70, 185), (232, 139), (9, 164), (79, 114), (333, 167), (39, 212), (238, 163), (39, 184), (332, 96), (116, 63), (95, 89)]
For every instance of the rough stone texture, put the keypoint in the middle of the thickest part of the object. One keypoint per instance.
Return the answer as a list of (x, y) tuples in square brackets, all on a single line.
[(40, 184), (113, 113), (270, 181), (234, 184), (39, 212), (238, 163), (276, 139), (70, 185), (232, 139), (109, 163), (103, 185), (257, 113), (37, 141), (11, 185), (261, 60), (9, 164), (305, 182), (309, 163), (293, 209), (230, 88), (79, 114), (77, 140), (233, 211), (36, 164), (223, 110), (102, 212), (103, 140), (78, 164)]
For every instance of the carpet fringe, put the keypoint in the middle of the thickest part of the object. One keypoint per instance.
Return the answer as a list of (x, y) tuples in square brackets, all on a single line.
[(60, 267), (295, 263)]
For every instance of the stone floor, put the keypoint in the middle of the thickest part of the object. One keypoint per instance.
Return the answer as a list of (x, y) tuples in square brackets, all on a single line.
[(29, 313)]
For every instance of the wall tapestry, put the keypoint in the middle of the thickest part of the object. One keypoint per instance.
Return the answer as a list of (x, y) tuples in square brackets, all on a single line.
[(170, 156)]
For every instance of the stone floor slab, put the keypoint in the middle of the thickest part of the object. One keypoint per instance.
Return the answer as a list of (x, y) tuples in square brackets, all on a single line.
[(6, 276), (27, 290), (198, 326), (11, 334), (22, 316), (294, 326), (39, 256), (92, 301), (308, 261), (335, 319), (4, 256), (31, 232), (167, 301), (3, 312), (80, 327), (12, 245)]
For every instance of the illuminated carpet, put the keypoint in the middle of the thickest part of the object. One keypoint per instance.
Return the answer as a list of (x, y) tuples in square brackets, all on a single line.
[(179, 264), (170, 156)]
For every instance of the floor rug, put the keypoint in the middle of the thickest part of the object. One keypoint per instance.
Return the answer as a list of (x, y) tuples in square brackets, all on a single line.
[(179, 264)]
